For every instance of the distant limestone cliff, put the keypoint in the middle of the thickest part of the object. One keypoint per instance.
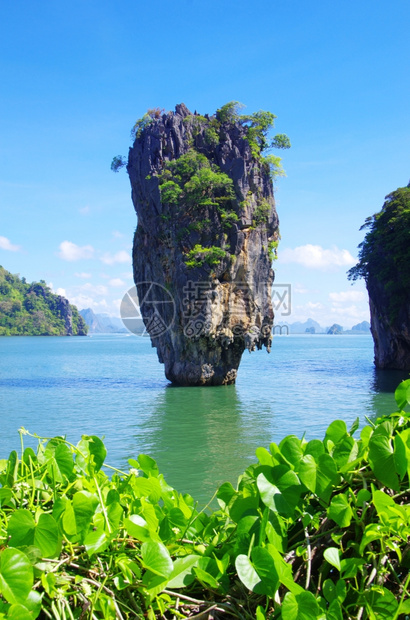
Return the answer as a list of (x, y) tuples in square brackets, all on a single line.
[(384, 260), (206, 236), (33, 310), (335, 329), (102, 323)]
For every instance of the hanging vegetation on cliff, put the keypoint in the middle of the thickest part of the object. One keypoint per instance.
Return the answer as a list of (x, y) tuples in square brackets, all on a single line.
[(384, 258), (385, 252)]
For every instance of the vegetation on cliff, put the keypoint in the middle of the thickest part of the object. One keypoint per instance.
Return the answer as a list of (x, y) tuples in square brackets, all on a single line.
[(257, 127), (385, 252), (316, 530), (33, 310)]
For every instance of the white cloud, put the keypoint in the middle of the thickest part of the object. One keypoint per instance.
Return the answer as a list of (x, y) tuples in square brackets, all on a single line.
[(59, 291), (120, 257), (316, 257), (96, 289), (314, 305), (300, 289), (117, 234), (116, 282), (70, 251), (117, 304), (85, 301), (83, 275), (327, 314), (106, 306), (355, 313), (85, 210), (5, 244), (346, 296), (128, 275)]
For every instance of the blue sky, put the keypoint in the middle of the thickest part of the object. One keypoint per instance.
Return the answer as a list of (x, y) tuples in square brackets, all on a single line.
[(75, 76)]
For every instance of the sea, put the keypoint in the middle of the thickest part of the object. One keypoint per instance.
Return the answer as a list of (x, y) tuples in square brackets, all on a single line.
[(113, 386)]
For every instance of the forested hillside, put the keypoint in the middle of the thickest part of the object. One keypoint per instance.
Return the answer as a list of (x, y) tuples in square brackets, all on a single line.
[(33, 310)]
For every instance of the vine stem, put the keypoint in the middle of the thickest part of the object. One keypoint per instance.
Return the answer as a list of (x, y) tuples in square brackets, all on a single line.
[(202, 614), (104, 509), (108, 591), (184, 597), (402, 597), (309, 565)]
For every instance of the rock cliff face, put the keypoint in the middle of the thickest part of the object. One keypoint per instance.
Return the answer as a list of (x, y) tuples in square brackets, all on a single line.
[(391, 334), (74, 323), (207, 229), (384, 258)]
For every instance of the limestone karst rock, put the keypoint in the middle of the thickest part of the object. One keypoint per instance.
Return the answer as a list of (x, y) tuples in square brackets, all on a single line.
[(384, 264), (207, 230), (391, 333)]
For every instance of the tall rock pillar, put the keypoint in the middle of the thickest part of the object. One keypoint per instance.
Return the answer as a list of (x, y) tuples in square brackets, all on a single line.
[(207, 231)]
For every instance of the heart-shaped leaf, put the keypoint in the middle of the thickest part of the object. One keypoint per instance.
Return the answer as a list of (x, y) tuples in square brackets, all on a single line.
[(16, 576), (156, 558)]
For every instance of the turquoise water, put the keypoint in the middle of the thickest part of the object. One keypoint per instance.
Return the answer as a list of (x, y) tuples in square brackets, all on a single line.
[(114, 386)]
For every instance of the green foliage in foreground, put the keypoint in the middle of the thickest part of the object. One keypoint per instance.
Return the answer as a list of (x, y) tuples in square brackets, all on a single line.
[(33, 310), (314, 530)]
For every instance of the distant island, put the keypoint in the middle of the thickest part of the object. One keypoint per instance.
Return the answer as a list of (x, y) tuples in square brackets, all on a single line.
[(311, 326), (103, 323), (34, 310)]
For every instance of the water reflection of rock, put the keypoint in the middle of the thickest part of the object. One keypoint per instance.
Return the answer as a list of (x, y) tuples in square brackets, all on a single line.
[(388, 380), (384, 384), (199, 438)]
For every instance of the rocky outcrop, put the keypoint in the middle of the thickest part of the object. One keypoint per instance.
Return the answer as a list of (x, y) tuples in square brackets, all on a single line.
[(390, 330), (207, 228), (65, 312), (361, 328), (74, 324), (384, 258), (335, 329), (103, 323)]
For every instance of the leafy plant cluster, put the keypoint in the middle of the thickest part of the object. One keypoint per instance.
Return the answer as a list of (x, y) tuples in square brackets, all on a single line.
[(192, 186), (258, 126), (32, 309), (316, 530), (195, 182), (261, 213), (199, 255), (385, 252), (273, 249), (152, 114)]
